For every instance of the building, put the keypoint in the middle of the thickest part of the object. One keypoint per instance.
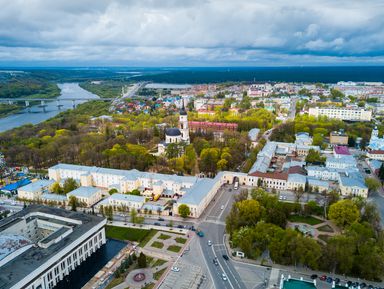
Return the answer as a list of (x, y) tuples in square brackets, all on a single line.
[(376, 143), (118, 201), (338, 138), (352, 185), (41, 245), (340, 162), (87, 195), (342, 113), (376, 154), (33, 191), (303, 139), (176, 135)]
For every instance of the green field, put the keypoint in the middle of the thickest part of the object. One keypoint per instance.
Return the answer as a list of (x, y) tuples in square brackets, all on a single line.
[(174, 248), (157, 244), (303, 219), (158, 274), (164, 237), (180, 240), (130, 234)]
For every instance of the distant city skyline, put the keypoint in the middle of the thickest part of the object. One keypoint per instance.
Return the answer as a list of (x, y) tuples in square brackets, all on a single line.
[(191, 33)]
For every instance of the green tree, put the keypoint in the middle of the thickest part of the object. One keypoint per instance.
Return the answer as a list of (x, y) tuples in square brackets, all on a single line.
[(57, 189), (372, 184), (381, 172), (249, 212), (343, 213), (73, 203), (314, 156), (133, 216), (184, 211), (142, 260), (113, 191), (69, 185)]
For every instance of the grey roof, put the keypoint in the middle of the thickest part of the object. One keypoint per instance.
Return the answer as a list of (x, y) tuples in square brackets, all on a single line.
[(172, 131), (253, 134), (126, 197), (84, 192), (317, 183), (297, 178), (35, 257), (37, 186), (53, 197), (197, 193)]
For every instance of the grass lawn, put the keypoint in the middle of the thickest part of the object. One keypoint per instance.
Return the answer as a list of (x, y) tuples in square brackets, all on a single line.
[(325, 238), (174, 248), (122, 233), (157, 244), (159, 262), (115, 282), (148, 237), (158, 274), (180, 240), (149, 286), (325, 228), (303, 219), (164, 237)]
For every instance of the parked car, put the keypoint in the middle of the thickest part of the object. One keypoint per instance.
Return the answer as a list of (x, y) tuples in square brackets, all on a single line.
[(175, 269), (226, 257), (363, 285), (337, 281), (161, 219), (157, 224), (180, 226), (329, 279), (314, 276), (323, 278)]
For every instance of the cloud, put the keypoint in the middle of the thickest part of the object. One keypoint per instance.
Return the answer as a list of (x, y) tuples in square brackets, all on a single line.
[(172, 32)]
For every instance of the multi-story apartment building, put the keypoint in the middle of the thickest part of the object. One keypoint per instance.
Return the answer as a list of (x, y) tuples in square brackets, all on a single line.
[(342, 113)]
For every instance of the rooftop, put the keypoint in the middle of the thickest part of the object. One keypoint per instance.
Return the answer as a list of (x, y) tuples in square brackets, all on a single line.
[(37, 186), (84, 192), (341, 150), (34, 257)]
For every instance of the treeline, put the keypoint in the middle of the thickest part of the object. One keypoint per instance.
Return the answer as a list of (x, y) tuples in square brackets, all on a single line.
[(321, 127), (258, 224), (24, 86), (105, 88)]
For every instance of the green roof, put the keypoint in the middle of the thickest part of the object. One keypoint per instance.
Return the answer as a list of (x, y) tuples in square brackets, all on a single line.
[(297, 284)]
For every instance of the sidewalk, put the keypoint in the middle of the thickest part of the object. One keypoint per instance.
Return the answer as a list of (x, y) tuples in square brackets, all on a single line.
[(147, 227)]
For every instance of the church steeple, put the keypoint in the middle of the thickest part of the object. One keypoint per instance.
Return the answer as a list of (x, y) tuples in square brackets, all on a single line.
[(183, 124)]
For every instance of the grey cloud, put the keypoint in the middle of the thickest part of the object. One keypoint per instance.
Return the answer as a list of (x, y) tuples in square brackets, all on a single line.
[(194, 31)]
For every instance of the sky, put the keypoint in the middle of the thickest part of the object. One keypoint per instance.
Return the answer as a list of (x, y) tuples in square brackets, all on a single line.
[(191, 33)]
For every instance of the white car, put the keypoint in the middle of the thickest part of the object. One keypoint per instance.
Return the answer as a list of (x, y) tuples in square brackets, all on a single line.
[(224, 277), (281, 197), (209, 243), (175, 269), (222, 207)]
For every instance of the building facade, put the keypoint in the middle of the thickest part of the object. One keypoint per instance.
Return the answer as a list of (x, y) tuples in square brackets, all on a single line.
[(342, 113)]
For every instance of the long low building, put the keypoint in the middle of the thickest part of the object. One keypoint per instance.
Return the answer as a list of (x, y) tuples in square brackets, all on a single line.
[(41, 245), (342, 113)]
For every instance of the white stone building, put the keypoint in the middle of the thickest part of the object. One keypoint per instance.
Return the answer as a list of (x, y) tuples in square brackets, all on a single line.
[(34, 190), (342, 113), (41, 245)]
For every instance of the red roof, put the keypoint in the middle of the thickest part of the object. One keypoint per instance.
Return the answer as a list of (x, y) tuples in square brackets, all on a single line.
[(279, 176), (341, 150), (376, 152), (296, 170)]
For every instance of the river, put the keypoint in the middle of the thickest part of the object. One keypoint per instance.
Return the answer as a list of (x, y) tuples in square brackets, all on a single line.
[(36, 114)]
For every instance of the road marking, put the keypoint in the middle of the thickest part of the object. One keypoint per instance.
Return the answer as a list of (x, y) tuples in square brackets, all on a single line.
[(222, 211), (222, 269), (205, 261)]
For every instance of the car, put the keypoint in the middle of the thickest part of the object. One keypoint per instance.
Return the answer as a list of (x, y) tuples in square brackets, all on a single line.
[(222, 207), (367, 171), (363, 285), (215, 262), (180, 226), (370, 287), (157, 224), (323, 278), (337, 281), (281, 197), (224, 277), (314, 276), (226, 257), (349, 283), (161, 219), (284, 197), (209, 243), (175, 269), (329, 279)]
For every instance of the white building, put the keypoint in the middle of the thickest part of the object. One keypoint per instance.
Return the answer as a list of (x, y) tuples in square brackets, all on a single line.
[(33, 191), (376, 155), (376, 143), (353, 185), (342, 113), (341, 162), (303, 138), (117, 201), (41, 245), (87, 195)]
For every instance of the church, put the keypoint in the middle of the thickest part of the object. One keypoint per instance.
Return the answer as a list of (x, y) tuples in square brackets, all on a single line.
[(176, 134), (376, 143)]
